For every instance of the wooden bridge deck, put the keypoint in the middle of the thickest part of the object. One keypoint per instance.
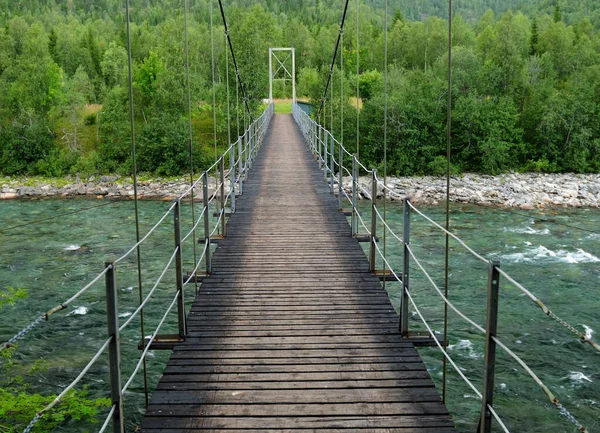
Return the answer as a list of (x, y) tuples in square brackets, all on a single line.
[(291, 332)]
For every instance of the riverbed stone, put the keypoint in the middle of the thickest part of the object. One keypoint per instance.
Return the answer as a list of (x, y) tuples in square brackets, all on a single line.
[(523, 190)]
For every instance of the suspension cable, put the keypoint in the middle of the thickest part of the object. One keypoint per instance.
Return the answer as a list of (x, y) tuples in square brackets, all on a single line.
[(337, 44), (357, 83), (237, 107), (189, 101), (342, 88), (385, 114), (135, 191), (235, 65), (228, 113), (212, 66), (447, 240)]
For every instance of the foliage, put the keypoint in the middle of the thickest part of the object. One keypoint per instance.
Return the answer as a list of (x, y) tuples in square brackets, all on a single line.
[(160, 147), (525, 87), (10, 295), (18, 405)]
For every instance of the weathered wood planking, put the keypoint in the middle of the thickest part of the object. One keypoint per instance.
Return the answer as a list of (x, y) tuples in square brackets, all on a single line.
[(291, 332)]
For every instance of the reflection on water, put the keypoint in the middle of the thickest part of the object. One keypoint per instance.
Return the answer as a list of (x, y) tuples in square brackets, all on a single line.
[(560, 264)]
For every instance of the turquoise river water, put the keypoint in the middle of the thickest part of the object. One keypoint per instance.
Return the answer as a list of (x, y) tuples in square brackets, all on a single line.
[(546, 251)]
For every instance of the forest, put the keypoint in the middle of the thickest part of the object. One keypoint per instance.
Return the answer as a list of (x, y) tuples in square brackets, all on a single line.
[(525, 89)]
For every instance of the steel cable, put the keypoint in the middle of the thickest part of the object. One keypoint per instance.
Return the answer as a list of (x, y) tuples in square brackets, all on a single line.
[(149, 295), (108, 419), (458, 370), (195, 225), (141, 241), (149, 344), (72, 385), (331, 68), (235, 65), (582, 337), (197, 265)]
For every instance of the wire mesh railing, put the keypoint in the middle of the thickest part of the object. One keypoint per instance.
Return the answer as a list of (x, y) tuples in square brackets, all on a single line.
[(246, 147), (322, 144)]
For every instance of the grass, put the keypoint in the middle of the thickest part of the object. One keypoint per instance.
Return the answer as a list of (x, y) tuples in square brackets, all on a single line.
[(283, 107)]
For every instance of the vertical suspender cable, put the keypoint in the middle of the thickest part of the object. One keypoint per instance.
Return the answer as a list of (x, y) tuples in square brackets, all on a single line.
[(342, 87), (212, 63), (357, 89), (337, 45), (331, 114), (448, 144), (228, 114), (385, 112), (135, 192), (214, 98), (189, 102), (237, 107), (245, 98)]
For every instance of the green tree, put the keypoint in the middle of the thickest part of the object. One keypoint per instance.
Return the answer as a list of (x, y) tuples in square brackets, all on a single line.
[(78, 92), (533, 41), (114, 65)]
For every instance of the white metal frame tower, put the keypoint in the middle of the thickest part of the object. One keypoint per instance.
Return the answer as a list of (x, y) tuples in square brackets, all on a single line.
[(287, 75)]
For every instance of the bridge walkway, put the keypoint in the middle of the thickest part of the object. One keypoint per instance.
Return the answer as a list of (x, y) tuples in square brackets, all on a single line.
[(291, 332)]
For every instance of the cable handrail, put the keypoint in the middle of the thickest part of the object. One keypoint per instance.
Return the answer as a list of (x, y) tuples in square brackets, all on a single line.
[(448, 357), (149, 344), (193, 274), (497, 417), (437, 289), (195, 226), (538, 302), (117, 261), (64, 305), (449, 233), (108, 418), (72, 385), (522, 363), (582, 337), (217, 224), (151, 292)]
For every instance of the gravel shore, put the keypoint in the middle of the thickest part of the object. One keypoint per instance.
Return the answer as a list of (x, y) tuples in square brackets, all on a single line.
[(521, 190)]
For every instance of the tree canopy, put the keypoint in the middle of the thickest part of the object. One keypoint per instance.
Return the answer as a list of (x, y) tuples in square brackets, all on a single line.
[(526, 82)]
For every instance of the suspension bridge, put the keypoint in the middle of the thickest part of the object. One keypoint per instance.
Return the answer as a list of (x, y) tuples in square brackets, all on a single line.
[(291, 328)]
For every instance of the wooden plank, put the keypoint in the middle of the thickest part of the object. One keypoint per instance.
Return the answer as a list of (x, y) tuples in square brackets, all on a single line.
[(295, 385), (291, 332)]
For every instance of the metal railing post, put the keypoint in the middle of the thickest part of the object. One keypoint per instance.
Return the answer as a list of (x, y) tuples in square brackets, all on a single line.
[(485, 422), (240, 156), (321, 152), (331, 164), (232, 177), (405, 271), (325, 161), (373, 220), (250, 147), (340, 176), (245, 151), (312, 139), (252, 142), (353, 223), (206, 226), (182, 326), (222, 192), (114, 348)]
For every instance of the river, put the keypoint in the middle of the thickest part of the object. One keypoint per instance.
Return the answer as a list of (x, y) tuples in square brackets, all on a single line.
[(554, 253)]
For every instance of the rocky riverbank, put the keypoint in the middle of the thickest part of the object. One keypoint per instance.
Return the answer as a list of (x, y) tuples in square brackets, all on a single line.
[(525, 191)]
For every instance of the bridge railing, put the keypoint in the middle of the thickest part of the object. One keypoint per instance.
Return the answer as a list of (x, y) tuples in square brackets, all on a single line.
[(325, 147), (231, 167)]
